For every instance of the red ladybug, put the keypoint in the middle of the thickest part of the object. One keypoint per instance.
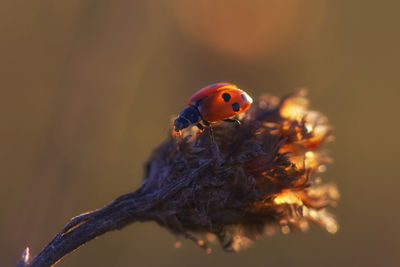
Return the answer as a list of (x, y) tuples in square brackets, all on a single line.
[(215, 102)]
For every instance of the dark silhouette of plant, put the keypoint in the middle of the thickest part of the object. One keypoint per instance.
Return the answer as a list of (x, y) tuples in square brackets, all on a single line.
[(228, 182)]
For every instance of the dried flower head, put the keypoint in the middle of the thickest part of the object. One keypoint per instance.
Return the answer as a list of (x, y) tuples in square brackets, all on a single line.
[(236, 182), (229, 182)]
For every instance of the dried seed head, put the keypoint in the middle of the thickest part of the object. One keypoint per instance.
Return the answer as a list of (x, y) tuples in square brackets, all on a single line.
[(241, 181)]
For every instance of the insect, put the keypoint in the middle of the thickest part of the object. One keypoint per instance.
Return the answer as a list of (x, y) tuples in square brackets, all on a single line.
[(215, 102)]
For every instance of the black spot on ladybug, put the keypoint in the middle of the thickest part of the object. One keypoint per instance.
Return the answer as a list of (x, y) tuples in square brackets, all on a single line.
[(226, 97), (235, 106)]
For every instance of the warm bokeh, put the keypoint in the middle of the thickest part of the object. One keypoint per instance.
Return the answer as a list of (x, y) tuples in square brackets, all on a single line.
[(88, 88)]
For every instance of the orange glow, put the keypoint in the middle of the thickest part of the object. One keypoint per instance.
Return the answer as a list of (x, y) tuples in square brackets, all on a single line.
[(308, 160), (248, 31), (309, 128), (294, 108), (288, 197), (285, 229), (211, 237), (293, 112), (322, 217), (178, 244), (311, 160), (239, 241)]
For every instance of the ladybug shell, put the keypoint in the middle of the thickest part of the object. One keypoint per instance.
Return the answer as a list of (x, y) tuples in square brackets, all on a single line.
[(209, 90), (223, 104)]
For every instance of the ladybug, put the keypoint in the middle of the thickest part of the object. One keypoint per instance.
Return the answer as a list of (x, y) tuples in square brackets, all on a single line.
[(215, 102)]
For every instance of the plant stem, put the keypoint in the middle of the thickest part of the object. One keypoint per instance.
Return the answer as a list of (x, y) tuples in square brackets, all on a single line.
[(83, 228)]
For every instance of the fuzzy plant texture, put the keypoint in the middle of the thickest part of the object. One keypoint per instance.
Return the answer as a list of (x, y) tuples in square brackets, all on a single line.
[(247, 179), (229, 182)]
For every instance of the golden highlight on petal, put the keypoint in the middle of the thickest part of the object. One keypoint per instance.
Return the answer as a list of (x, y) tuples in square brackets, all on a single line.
[(288, 197), (294, 108), (239, 242), (323, 218)]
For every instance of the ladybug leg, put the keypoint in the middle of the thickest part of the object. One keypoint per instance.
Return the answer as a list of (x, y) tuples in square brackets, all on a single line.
[(206, 123), (201, 127), (233, 121)]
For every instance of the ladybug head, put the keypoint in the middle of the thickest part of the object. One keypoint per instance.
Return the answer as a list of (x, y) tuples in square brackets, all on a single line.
[(180, 123), (188, 116)]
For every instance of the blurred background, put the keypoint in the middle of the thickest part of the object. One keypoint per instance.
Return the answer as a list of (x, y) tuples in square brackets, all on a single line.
[(89, 88)]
